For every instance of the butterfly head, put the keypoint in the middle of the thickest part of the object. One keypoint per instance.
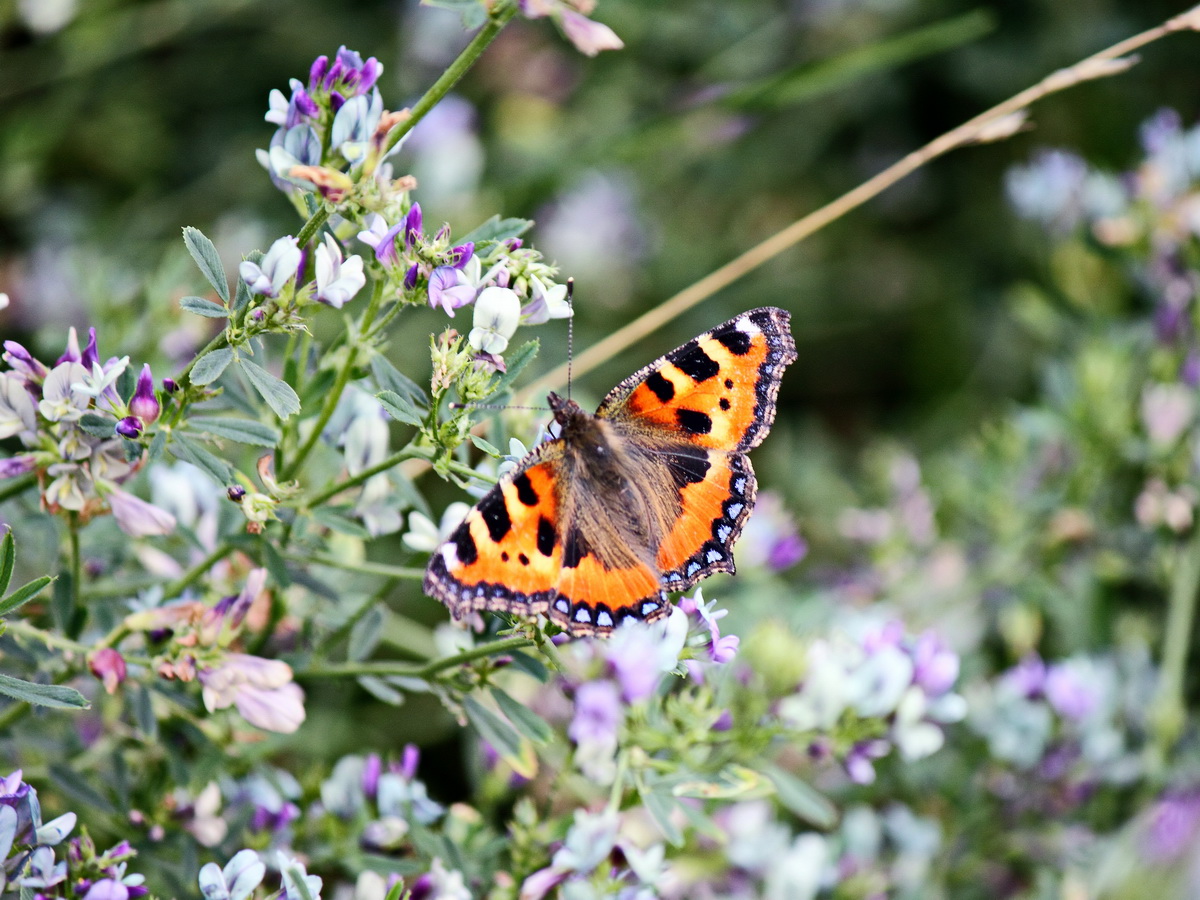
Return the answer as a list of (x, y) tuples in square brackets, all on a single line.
[(565, 410)]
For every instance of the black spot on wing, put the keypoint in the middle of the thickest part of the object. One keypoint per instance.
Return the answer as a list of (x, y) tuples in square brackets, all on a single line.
[(525, 492), (735, 341), (495, 514), (660, 386), (688, 467), (464, 545), (725, 403), (545, 536), (694, 421), (524, 560), (694, 362), (574, 549)]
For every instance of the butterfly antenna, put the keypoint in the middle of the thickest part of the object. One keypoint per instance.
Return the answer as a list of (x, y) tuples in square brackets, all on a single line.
[(500, 406), (570, 331)]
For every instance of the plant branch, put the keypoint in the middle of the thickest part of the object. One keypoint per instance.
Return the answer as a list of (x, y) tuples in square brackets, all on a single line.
[(363, 568), (407, 670), (1169, 715), (177, 587), (999, 122)]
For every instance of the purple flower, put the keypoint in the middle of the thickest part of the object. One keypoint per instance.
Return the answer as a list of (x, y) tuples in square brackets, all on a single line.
[(262, 690), (588, 36), (19, 796), (460, 255), (145, 404), (17, 465), (90, 356), (598, 713), (409, 762), (724, 649), (21, 361), (1027, 678), (1070, 693), (129, 427), (449, 290), (1172, 826), (936, 666), (372, 768), (136, 517), (788, 550), (107, 889), (412, 226)]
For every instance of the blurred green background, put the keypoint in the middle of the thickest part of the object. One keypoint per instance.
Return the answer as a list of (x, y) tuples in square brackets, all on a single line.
[(122, 121)]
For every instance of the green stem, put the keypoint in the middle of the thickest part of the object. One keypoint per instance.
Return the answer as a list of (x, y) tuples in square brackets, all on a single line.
[(75, 561), (1169, 713), (382, 669), (363, 568), (409, 452), (184, 378), (57, 641), (335, 394), (500, 17), (17, 486), (176, 587)]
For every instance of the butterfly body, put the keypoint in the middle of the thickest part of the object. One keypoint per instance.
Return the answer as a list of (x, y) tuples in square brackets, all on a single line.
[(646, 495)]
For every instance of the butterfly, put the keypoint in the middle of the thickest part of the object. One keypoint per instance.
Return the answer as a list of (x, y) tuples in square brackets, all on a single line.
[(646, 496)]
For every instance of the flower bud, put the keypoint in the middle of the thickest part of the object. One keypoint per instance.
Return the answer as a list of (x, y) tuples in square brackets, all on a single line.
[(129, 427), (170, 385), (109, 666), (145, 404), (236, 493)]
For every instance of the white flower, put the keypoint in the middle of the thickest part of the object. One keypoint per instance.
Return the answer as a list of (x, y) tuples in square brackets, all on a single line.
[(17, 414), (497, 315), (278, 266), (59, 402), (1167, 411), (548, 303), (588, 36), (101, 378), (337, 280), (425, 537), (3, 300)]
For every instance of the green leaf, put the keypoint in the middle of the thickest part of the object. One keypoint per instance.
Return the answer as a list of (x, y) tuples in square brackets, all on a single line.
[(275, 564), (381, 690), (661, 808), (209, 261), (279, 394), (503, 738), (525, 720), (209, 367), (519, 360), (490, 449), (206, 308), (244, 431), (399, 408), (389, 378), (365, 635), (800, 797), (496, 229), (336, 521), (157, 445), (189, 450), (530, 665), (56, 696), (23, 594), (96, 425), (143, 711), (8, 558), (126, 383), (241, 295)]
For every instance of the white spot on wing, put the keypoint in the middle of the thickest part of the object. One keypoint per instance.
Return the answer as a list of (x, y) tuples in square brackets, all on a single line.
[(604, 619), (723, 533), (649, 606), (450, 556), (734, 510), (582, 615), (562, 605), (713, 555), (745, 324)]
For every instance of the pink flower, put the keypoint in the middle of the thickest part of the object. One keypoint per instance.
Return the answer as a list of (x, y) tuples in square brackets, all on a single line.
[(262, 690), (588, 36), (109, 666)]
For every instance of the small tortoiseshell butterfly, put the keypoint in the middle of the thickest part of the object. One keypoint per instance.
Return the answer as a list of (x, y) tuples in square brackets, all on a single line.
[(646, 496)]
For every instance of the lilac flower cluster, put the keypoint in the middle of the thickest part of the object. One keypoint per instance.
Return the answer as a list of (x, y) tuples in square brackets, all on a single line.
[(27, 853), (597, 858), (606, 679), (1068, 722), (873, 853), (79, 432), (890, 683)]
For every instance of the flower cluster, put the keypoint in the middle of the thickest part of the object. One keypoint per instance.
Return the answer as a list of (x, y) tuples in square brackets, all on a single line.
[(78, 421), (28, 860), (1068, 723), (881, 677)]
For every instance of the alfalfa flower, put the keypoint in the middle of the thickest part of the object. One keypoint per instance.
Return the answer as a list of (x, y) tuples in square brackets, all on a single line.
[(261, 689), (497, 315), (338, 279), (277, 267)]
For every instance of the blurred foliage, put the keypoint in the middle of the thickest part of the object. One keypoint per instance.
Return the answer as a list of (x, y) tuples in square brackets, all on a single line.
[(719, 124)]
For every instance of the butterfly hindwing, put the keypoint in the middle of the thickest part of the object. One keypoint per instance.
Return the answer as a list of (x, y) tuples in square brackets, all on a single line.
[(717, 390), (507, 553)]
